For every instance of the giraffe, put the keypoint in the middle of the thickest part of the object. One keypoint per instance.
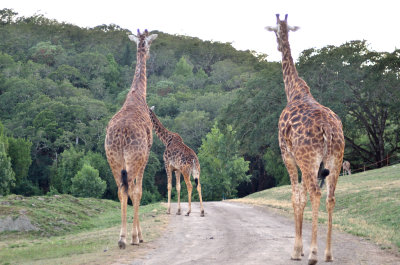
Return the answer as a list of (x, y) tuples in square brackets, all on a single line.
[(129, 139), (346, 168), (311, 138), (180, 158)]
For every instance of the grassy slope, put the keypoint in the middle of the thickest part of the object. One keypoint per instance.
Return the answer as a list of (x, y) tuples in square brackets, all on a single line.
[(72, 230), (367, 205)]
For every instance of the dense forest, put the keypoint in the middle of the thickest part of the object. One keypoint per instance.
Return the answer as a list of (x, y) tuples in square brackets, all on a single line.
[(60, 84)]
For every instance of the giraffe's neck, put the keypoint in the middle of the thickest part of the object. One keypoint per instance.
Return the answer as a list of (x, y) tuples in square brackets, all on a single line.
[(162, 132), (139, 83), (294, 85)]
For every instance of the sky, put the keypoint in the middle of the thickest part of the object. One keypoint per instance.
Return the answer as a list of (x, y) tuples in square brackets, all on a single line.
[(321, 22)]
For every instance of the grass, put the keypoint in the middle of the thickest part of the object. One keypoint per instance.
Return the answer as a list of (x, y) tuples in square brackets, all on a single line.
[(73, 230), (367, 205)]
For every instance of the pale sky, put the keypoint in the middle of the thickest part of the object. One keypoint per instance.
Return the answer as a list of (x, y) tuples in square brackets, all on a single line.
[(242, 23)]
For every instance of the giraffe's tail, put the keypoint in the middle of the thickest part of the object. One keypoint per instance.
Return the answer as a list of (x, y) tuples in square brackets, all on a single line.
[(323, 172), (196, 171), (124, 179)]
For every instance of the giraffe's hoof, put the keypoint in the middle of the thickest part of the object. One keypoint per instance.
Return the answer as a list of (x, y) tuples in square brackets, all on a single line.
[(121, 244), (135, 242), (313, 259), (178, 212), (202, 213), (297, 253), (328, 257), (141, 241)]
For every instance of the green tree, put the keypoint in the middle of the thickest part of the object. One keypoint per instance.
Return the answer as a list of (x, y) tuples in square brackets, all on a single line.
[(7, 175), (19, 151), (192, 126), (183, 68), (99, 162), (87, 183), (67, 167), (222, 168), (45, 53)]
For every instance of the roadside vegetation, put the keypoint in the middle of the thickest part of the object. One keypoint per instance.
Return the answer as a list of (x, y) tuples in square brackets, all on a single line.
[(63, 229)]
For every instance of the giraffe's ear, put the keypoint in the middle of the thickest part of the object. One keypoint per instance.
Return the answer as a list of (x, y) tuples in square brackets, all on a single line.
[(151, 38), (152, 108), (295, 28), (269, 28), (133, 38)]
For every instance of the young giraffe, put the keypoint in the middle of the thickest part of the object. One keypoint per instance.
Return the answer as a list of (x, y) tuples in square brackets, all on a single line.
[(310, 137), (346, 168), (180, 158), (129, 139)]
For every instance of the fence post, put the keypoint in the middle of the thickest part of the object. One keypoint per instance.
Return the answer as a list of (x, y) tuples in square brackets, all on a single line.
[(364, 168)]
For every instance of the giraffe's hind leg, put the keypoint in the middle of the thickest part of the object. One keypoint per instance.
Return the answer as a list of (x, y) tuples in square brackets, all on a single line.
[(331, 181), (309, 169), (169, 186), (200, 197), (178, 190), (123, 198), (135, 174), (186, 177), (299, 199)]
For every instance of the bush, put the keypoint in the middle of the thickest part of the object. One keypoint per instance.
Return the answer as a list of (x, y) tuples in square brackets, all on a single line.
[(87, 183)]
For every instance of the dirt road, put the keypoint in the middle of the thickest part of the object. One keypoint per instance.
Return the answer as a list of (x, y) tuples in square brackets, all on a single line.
[(233, 233)]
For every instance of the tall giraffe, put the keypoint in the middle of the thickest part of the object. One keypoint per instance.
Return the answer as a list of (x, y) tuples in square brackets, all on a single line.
[(311, 138), (180, 158), (129, 139)]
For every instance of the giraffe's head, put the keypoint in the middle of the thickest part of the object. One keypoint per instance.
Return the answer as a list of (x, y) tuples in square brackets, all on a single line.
[(281, 30), (143, 41)]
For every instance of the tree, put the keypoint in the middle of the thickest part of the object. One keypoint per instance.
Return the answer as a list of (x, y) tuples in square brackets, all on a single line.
[(19, 151), (68, 166), (222, 168), (99, 162), (254, 115), (87, 183), (7, 175), (183, 68), (192, 126)]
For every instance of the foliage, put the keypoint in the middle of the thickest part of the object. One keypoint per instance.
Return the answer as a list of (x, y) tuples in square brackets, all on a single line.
[(19, 151), (222, 168), (7, 175), (68, 166), (87, 183)]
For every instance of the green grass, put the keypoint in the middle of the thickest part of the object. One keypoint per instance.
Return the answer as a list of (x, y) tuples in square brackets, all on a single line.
[(71, 230), (367, 205)]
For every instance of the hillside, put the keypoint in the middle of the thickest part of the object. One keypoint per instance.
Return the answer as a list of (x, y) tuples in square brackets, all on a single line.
[(367, 205), (68, 230)]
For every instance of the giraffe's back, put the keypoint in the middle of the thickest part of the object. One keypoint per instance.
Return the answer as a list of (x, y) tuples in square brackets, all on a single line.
[(304, 126)]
